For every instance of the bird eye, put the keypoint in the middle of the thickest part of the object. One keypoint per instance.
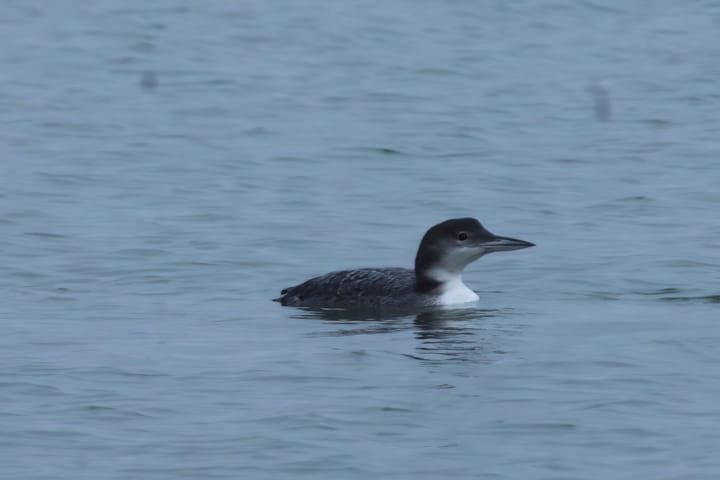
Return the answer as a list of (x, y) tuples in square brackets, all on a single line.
[(462, 237)]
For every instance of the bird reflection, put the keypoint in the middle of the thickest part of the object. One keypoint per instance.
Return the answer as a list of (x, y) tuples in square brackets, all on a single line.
[(462, 334), (454, 334)]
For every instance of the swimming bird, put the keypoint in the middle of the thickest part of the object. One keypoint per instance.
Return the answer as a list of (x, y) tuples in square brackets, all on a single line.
[(444, 252)]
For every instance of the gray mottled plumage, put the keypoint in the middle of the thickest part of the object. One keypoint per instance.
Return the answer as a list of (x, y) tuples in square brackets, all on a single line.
[(366, 286)]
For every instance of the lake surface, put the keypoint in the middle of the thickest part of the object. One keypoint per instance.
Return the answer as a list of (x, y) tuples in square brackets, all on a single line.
[(167, 167)]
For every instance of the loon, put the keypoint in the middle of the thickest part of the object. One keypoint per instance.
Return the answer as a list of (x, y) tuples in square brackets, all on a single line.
[(444, 251)]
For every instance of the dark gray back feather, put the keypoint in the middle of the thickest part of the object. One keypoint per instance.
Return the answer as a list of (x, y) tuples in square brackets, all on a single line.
[(362, 287)]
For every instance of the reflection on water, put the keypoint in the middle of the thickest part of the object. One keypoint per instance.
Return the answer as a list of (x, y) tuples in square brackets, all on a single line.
[(464, 334), (355, 321), (460, 334)]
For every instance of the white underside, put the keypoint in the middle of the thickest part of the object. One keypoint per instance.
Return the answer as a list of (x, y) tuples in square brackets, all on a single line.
[(454, 291)]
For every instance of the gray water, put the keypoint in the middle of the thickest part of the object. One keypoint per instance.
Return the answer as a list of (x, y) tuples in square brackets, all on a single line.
[(167, 167)]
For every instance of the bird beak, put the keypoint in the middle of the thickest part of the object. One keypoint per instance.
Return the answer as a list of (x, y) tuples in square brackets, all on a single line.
[(504, 244)]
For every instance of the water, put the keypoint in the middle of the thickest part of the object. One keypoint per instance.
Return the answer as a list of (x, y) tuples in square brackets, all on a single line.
[(168, 167)]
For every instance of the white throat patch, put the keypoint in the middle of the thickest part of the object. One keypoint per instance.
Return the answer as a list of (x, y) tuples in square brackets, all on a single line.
[(452, 289)]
